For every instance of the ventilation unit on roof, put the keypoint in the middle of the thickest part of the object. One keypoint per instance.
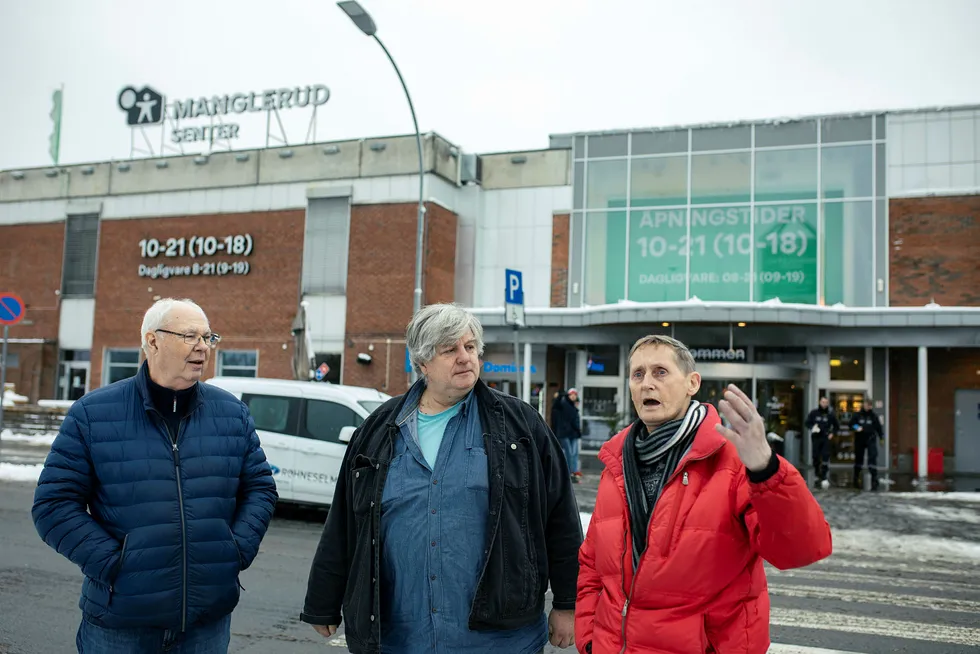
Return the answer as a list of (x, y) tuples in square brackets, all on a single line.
[(470, 169)]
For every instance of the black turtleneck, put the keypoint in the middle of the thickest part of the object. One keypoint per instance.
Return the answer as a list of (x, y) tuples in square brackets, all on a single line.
[(171, 404)]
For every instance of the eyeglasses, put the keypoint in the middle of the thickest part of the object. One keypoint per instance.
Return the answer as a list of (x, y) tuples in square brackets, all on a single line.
[(210, 339)]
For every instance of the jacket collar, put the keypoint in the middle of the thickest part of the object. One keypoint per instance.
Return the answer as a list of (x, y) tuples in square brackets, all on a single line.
[(706, 442), (410, 400), (143, 388)]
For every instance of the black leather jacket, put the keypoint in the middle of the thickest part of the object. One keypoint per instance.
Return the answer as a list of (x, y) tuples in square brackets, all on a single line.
[(534, 522)]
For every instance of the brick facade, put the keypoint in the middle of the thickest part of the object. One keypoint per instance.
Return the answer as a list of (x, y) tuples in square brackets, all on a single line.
[(381, 283), (251, 312), (560, 245), (949, 369), (30, 266), (934, 251)]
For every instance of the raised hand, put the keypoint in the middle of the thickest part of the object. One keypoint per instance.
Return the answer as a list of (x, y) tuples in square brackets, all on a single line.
[(748, 432)]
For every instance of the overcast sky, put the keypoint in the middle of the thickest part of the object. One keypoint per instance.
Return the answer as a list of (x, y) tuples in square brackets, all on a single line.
[(489, 75)]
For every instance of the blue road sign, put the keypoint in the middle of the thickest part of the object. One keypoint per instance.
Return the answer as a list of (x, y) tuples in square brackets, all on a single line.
[(11, 309), (514, 289)]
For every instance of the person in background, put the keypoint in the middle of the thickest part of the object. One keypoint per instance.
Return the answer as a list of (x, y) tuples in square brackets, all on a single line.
[(158, 489), (686, 512), (867, 432), (567, 425), (823, 425), (452, 516)]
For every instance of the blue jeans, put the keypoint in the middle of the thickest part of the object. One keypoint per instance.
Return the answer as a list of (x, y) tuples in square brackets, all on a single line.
[(212, 638), (570, 447)]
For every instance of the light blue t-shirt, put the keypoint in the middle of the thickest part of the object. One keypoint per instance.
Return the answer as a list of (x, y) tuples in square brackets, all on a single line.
[(431, 431)]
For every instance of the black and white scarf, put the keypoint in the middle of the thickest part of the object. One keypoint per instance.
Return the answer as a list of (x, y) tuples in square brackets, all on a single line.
[(649, 459)]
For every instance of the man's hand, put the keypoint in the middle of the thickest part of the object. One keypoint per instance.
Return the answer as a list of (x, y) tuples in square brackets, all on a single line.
[(561, 628), (325, 630), (748, 433)]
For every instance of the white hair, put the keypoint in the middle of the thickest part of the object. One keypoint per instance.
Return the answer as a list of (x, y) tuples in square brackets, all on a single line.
[(439, 325), (158, 314)]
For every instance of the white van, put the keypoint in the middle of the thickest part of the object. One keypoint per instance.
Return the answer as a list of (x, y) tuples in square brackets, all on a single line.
[(304, 428)]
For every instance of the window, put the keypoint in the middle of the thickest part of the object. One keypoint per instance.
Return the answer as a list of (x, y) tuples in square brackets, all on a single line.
[(792, 133), (323, 420), (238, 363), (720, 178), (603, 362), (659, 142), (326, 245), (120, 364), (273, 412), (81, 243), (606, 184), (721, 138), (839, 130), (785, 175), (847, 364), (605, 251), (658, 255), (660, 181), (333, 362), (848, 241), (846, 171), (13, 360), (607, 145)]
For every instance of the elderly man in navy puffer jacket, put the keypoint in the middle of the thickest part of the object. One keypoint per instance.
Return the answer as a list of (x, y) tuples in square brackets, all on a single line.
[(158, 489)]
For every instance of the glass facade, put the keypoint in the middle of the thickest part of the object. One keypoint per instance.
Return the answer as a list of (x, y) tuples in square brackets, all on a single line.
[(781, 211)]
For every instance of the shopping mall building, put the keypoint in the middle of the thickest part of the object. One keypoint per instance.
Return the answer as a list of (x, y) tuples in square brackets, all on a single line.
[(835, 255)]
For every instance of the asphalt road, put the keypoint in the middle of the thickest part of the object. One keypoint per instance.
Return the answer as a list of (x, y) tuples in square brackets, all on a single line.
[(892, 596)]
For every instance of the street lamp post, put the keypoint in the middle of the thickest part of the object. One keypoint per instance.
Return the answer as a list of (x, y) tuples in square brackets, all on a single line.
[(365, 23)]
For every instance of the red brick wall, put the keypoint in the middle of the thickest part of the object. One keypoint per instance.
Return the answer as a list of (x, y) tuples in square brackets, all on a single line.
[(251, 312), (560, 245), (30, 266), (949, 369), (381, 283), (935, 247)]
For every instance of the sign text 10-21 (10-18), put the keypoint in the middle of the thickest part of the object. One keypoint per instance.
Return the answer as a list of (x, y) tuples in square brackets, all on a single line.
[(196, 246)]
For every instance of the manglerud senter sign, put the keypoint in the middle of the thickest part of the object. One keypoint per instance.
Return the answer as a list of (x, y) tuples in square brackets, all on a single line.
[(146, 107)]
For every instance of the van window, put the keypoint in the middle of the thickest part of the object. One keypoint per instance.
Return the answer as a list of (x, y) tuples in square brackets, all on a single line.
[(273, 412), (370, 405), (324, 420)]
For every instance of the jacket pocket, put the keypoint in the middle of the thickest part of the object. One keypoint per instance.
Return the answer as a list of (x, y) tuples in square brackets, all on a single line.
[(119, 565), (363, 486), (477, 471), (238, 550)]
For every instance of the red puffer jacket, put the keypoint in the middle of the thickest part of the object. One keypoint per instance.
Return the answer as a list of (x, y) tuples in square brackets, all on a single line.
[(700, 586)]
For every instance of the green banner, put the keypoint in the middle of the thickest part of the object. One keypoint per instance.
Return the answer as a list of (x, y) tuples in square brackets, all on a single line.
[(721, 243)]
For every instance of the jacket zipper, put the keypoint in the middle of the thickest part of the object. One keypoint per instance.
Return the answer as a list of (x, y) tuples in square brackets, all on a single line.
[(673, 519), (183, 523)]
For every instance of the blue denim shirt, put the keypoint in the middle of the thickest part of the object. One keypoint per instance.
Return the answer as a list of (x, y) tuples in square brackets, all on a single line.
[(434, 532)]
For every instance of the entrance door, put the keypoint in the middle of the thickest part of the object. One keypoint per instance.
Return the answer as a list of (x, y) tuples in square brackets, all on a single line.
[(73, 380), (967, 442), (844, 404)]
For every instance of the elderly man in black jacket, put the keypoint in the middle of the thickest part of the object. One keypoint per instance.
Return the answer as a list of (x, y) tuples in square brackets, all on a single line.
[(452, 514)]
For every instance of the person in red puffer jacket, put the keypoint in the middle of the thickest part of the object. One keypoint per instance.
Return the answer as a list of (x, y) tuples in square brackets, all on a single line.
[(687, 510)]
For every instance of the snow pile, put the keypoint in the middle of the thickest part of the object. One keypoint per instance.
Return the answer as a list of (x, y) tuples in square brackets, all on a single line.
[(11, 398), (953, 497), (15, 472), (957, 514), (45, 438), (915, 547)]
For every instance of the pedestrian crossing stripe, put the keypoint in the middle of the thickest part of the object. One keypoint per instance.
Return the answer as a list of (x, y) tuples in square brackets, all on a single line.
[(856, 624)]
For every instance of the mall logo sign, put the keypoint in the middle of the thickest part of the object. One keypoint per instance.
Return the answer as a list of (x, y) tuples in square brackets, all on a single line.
[(146, 107)]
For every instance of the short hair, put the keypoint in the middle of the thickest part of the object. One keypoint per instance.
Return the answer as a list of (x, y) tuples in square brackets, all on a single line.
[(682, 355), (439, 325), (156, 316)]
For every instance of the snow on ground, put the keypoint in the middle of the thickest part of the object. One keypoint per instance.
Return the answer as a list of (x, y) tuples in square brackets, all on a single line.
[(46, 438), (960, 514), (17, 472), (876, 541), (954, 497)]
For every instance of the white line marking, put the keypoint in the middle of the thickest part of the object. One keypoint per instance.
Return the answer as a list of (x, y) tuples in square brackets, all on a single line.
[(827, 621)]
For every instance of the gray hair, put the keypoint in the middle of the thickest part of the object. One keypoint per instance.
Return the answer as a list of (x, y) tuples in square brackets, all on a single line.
[(439, 325), (158, 314), (683, 355)]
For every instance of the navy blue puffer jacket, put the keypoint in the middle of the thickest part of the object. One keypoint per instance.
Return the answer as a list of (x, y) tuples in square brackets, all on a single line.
[(169, 528)]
